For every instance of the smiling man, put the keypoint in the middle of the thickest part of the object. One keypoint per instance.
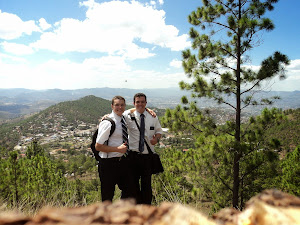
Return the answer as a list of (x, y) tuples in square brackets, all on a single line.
[(142, 128), (114, 167)]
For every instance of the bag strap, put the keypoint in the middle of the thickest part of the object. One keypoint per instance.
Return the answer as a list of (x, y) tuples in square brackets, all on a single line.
[(113, 125), (112, 129), (148, 147), (95, 152)]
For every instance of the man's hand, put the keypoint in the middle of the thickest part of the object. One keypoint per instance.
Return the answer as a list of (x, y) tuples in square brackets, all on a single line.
[(153, 114), (122, 148), (155, 139), (105, 116)]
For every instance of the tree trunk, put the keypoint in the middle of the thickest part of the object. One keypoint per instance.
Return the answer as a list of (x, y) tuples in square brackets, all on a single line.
[(236, 164)]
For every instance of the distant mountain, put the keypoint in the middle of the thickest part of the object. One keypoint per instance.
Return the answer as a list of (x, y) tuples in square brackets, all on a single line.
[(18, 102), (22, 96)]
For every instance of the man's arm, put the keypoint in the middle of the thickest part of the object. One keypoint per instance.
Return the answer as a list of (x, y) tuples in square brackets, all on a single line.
[(150, 111), (104, 148), (103, 134), (158, 131)]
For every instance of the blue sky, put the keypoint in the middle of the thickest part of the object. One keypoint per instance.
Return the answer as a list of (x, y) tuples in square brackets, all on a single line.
[(72, 44)]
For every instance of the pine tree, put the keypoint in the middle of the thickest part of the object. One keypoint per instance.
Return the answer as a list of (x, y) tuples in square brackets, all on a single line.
[(219, 71), (289, 178), (11, 187)]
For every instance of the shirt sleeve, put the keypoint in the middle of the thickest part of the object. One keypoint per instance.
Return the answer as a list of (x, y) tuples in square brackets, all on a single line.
[(158, 128), (103, 131), (126, 112)]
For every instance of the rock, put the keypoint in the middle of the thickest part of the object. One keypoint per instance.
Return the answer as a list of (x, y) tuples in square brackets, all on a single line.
[(121, 212), (226, 216), (13, 218), (271, 207)]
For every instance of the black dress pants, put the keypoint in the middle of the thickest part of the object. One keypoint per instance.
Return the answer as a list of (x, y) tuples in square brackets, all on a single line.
[(114, 171), (141, 166)]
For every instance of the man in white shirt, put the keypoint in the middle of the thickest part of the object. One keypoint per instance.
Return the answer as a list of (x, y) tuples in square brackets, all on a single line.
[(139, 155), (114, 167)]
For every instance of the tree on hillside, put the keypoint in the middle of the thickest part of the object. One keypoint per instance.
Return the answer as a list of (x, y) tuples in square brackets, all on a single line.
[(219, 71), (34, 179), (34, 149), (289, 178)]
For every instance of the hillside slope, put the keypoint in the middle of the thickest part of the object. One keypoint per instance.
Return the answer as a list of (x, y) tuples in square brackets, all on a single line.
[(88, 109)]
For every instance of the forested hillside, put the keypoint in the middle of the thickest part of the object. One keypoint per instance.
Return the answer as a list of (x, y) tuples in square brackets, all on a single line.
[(288, 131), (71, 113), (88, 109)]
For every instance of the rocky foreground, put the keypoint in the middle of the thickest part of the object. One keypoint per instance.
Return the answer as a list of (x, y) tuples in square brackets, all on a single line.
[(271, 207)]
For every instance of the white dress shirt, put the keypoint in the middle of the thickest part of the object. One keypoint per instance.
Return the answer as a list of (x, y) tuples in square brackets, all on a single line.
[(152, 127), (115, 139)]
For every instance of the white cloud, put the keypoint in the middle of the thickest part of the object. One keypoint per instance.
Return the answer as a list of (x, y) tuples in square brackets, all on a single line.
[(17, 49), (107, 64), (115, 27), (111, 71), (290, 83), (135, 52), (176, 63), (12, 27), (293, 73), (9, 59), (153, 2), (294, 65), (154, 79), (43, 24)]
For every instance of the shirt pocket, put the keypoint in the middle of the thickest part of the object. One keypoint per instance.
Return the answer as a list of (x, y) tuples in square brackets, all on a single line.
[(151, 131)]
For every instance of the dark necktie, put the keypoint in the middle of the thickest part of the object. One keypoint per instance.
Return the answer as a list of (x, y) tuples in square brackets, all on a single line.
[(142, 133), (124, 131)]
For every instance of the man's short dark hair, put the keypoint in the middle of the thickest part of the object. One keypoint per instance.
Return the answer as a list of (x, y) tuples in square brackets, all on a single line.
[(117, 97), (138, 95)]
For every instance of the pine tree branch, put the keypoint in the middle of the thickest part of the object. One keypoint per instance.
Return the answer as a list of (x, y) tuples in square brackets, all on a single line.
[(244, 3), (254, 149), (246, 129), (245, 106), (212, 71), (228, 133), (257, 82), (227, 103), (218, 73), (225, 26), (223, 182), (226, 66), (256, 167), (183, 121), (229, 9), (233, 56), (215, 72)]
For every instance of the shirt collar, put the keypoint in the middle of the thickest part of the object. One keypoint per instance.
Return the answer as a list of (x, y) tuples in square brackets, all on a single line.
[(139, 114), (118, 118)]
